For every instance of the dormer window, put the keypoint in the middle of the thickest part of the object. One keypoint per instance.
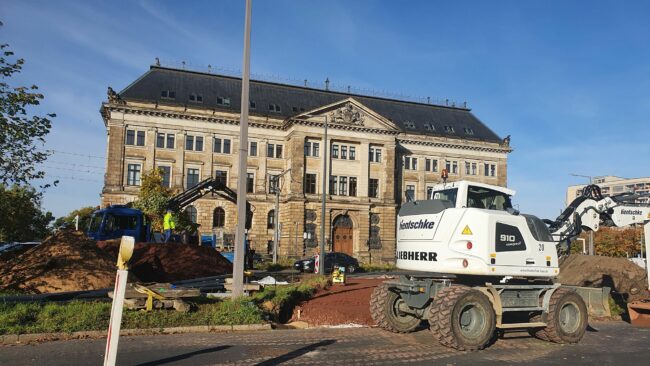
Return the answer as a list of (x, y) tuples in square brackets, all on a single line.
[(429, 127), (197, 98), (410, 125), (274, 107), (168, 94), (252, 104), (450, 129), (223, 101), (468, 131)]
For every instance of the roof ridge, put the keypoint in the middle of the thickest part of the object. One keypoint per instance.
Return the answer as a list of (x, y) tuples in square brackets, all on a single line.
[(466, 109)]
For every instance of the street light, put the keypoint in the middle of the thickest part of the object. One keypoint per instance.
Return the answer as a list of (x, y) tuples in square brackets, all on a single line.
[(321, 262), (591, 233)]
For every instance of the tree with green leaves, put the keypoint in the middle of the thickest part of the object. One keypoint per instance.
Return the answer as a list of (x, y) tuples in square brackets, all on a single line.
[(153, 199), (20, 131), (85, 213), (22, 217)]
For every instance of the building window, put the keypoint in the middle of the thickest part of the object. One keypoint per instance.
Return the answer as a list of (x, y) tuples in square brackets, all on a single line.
[(273, 184), (274, 151), (468, 131), (197, 98), (221, 176), (373, 188), (310, 183), (429, 127), (270, 220), (410, 125), (346, 152), (165, 140), (134, 137), (252, 105), (250, 182), (140, 139), (490, 170), (451, 166), (252, 151), (470, 168), (166, 173), (170, 140), (474, 169), (274, 107), (410, 192), (219, 217), (343, 186), (133, 174), (353, 186), (312, 149), (168, 94), (221, 146), (429, 192), (449, 129), (191, 213), (223, 101), (194, 143), (410, 163), (192, 177), (431, 165), (375, 155)]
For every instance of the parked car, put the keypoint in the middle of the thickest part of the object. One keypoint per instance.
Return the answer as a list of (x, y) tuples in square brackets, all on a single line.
[(331, 260)]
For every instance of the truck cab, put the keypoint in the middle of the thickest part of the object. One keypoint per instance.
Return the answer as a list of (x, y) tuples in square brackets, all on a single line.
[(116, 221)]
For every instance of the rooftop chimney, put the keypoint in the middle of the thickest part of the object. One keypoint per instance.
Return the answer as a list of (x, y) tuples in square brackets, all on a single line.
[(327, 84)]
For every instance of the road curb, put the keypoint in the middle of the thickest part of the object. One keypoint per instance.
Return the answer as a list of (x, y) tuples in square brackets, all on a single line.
[(9, 339)]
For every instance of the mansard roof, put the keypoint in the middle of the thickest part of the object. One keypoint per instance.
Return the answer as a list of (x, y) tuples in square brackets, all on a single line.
[(410, 117)]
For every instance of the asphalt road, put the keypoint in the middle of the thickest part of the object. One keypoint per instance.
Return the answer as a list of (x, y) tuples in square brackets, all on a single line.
[(607, 343)]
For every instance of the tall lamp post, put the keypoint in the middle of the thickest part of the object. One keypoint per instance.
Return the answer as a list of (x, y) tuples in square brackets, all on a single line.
[(321, 262), (591, 233), (240, 235)]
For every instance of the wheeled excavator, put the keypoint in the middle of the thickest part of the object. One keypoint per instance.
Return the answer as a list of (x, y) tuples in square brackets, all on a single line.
[(478, 267)]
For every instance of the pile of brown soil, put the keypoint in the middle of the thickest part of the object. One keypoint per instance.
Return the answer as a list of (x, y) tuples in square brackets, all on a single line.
[(621, 274), (171, 262), (66, 261), (339, 304)]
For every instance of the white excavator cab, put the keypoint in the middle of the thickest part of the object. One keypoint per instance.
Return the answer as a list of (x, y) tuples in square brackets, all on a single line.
[(468, 228)]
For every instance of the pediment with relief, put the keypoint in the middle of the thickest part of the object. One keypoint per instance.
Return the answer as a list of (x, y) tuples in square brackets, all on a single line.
[(351, 113)]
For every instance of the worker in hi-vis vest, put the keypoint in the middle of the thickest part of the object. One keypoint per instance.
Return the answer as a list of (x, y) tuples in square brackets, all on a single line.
[(168, 225)]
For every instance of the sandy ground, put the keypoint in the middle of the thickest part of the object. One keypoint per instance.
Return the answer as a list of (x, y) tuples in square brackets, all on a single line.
[(339, 304)]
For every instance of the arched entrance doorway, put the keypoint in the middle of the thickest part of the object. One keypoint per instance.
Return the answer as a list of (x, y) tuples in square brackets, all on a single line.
[(342, 235)]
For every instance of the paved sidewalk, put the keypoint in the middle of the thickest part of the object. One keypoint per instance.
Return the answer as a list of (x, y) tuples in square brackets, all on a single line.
[(608, 343)]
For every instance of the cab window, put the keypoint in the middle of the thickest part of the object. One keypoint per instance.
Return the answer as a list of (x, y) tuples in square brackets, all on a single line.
[(478, 197), (446, 195)]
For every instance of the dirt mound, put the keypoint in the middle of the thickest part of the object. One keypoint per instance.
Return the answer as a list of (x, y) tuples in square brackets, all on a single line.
[(339, 304), (171, 262), (66, 261), (622, 275)]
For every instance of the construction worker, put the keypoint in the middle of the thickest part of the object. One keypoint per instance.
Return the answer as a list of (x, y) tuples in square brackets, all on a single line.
[(168, 225)]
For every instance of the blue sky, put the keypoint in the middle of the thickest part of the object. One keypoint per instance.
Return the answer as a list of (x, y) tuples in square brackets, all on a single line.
[(569, 80)]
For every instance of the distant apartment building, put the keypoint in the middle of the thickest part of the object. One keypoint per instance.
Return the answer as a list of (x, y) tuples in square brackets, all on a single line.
[(186, 124), (611, 186)]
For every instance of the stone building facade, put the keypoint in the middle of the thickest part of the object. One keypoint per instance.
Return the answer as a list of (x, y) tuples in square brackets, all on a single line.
[(187, 124)]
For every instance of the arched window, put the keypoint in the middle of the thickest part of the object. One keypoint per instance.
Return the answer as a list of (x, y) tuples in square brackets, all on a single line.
[(270, 220), (191, 213), (218, 217)]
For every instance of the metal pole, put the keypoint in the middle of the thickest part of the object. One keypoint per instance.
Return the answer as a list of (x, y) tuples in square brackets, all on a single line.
[(276, 226), (321, 263), (240, 236)]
